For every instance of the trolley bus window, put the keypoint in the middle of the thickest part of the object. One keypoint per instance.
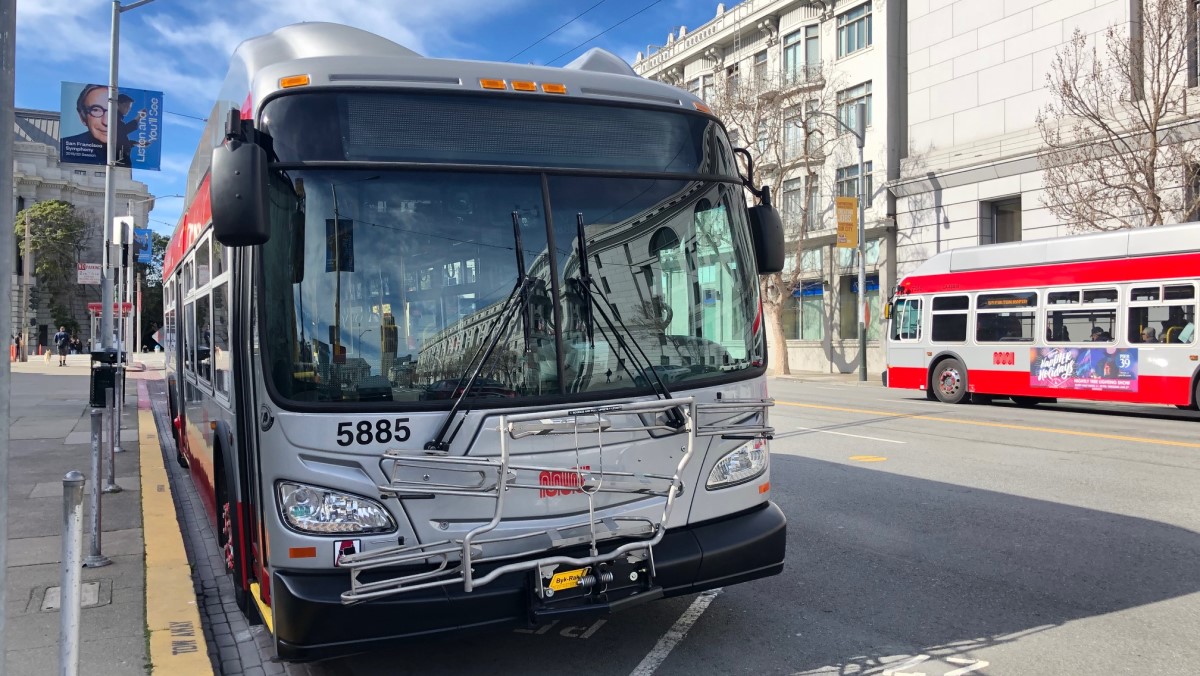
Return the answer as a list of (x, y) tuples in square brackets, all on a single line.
[(949, 324), (1171, 321), (1100, 296), (1066, 326), (906, 319), (994, 323), (684, 288)]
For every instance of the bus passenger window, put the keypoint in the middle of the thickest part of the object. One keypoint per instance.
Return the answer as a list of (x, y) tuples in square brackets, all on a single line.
[(1066, 326), (1170, 322), (950, 319), (1005, 327)]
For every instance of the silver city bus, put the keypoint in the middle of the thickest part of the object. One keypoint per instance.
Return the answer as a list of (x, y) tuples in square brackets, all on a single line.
[(461, 345)]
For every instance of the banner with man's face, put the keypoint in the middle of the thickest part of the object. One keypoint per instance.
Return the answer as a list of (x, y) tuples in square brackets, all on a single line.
[(84, 126)]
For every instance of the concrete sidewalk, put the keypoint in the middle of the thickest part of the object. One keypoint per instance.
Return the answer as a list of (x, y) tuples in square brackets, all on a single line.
[(50, 434)]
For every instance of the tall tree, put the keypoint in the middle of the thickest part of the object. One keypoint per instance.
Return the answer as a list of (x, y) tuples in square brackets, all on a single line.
[(57, 235), (152, 287), (1117, 155), (786, 121)]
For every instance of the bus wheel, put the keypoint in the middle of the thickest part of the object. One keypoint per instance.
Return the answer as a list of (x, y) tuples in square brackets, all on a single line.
[(950, 382), (228, 540)]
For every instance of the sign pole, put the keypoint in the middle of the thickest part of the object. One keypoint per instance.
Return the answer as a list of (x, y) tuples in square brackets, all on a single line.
[(860, 123), (26, 280)]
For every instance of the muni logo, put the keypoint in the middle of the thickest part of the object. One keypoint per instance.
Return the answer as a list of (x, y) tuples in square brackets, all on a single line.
[(562, 482)]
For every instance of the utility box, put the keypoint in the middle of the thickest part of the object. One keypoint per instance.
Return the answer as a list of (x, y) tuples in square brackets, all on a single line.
[(104, 377)]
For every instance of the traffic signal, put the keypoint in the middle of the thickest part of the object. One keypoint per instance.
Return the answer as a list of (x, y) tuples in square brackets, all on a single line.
[(35, 297)]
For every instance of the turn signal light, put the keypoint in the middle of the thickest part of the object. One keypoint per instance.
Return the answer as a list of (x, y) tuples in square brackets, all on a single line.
[(702, 108), (293, 81)]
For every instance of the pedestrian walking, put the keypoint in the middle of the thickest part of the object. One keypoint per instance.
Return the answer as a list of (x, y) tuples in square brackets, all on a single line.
[(62, 339)]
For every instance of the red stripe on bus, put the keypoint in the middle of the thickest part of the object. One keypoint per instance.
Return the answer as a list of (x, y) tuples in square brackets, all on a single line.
[(1072, 274), (191, 224), (1151, 389)]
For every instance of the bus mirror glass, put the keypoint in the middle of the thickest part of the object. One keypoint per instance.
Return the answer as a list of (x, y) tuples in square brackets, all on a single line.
[(766, 227), (239, 194)]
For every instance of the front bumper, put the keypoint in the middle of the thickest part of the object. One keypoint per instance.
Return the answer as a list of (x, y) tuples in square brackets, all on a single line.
[(310, 621)]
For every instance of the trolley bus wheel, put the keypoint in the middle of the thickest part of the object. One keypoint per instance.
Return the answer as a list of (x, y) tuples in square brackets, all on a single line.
[(950, 382), (228, 540), (1195, 405)]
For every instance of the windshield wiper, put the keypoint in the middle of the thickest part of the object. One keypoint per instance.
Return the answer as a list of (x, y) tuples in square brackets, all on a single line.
[(589, 292), (517, 301)]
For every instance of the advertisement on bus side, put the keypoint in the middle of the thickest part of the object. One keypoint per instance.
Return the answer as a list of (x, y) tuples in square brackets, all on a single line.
[(1108, 369)]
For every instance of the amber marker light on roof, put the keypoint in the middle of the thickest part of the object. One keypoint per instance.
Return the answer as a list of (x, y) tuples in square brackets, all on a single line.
[(293, 81), (524, 86), (487, 83), (702, 108), (553, 88)]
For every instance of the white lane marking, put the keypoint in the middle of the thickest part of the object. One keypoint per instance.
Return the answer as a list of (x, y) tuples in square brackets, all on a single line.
[(847, 434), (972, 665), (675, 634), (895, 671)]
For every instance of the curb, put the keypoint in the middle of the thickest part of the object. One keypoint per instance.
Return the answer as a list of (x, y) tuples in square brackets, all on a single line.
[(177, 644)]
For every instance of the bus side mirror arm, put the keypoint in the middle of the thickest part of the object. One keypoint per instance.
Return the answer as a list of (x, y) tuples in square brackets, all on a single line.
[(238, 187), (766, 225)]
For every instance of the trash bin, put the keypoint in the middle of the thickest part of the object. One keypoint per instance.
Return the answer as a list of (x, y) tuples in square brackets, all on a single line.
[(103, 377)]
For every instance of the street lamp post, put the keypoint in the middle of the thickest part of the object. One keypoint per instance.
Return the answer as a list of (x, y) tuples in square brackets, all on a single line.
[(860, 136), (106, 281)]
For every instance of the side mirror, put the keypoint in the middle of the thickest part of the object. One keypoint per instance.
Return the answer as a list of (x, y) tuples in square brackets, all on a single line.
[(766, 229), (238, 183)]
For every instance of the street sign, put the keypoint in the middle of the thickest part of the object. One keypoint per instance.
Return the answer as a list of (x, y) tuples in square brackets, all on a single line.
[(88, 273), (847, 222)]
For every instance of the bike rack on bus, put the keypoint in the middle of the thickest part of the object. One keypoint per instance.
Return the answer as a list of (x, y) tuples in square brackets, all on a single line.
[(452, 561)]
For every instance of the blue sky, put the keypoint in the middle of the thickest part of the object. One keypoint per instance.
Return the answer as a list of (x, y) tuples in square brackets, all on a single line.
[(182, 47)]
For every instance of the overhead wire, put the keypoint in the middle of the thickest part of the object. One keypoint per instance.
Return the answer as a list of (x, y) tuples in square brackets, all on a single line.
[(543, 38), (606, 30)]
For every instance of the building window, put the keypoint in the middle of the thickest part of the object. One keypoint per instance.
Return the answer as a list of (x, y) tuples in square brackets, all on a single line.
[(793, 201), (854, 30), (847, 181), (98, 174), (849, 307), (809, 311), (812, 216), (793, 136), (81, 172), (760, 66), (706, 87), (1000, 221), (693, 86), (802, 55), (847, 100), (732, 78)]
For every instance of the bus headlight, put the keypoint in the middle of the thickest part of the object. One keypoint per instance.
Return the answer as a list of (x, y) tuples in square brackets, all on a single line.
[(742, 464), (320, 510)]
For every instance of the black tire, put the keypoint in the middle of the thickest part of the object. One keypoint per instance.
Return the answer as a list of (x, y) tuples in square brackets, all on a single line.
[(229, 538), (930, 395), (1195, 405), (950, 382), (1026, 402)]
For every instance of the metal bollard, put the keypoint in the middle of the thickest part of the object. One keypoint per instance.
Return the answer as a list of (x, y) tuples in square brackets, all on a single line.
[(110, 483), (71, 581), (95, 559), (119, 401)]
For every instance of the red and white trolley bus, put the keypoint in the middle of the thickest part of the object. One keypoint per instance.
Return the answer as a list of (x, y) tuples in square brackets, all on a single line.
[(1106, 317)]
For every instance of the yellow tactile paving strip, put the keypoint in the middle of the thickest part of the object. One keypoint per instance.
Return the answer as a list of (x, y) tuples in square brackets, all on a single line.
[(177, 643)]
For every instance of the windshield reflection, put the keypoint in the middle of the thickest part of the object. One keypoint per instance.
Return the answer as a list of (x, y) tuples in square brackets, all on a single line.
[(385, 286)]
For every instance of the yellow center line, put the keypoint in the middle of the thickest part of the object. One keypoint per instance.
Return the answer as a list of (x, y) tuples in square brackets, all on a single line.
[(1007, 426)]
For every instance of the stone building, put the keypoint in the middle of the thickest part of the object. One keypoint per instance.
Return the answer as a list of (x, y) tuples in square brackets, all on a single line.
[(38, 175)]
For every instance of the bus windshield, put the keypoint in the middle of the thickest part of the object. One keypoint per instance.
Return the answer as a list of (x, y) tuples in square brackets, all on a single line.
[(382, 285)]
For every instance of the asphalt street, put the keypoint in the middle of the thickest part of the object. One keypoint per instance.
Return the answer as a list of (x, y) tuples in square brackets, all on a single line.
[(923, 539)]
